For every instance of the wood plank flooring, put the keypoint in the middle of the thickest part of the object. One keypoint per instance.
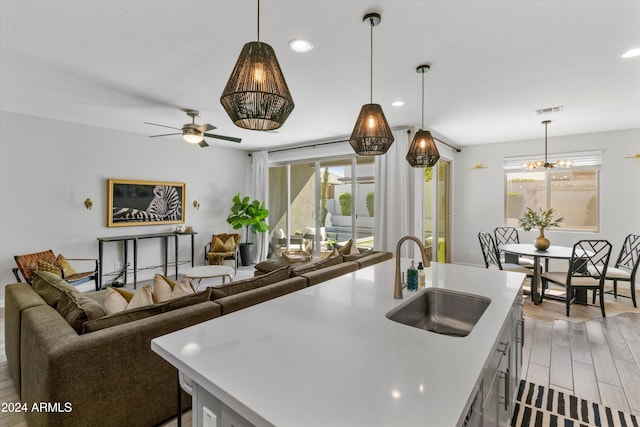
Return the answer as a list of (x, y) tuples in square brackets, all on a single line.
[(586, 355), (594, 358)]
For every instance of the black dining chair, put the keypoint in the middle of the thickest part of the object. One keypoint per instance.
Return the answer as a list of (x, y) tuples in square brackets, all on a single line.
[(508, 235), (492, 256), (587, 270), (626, 266)]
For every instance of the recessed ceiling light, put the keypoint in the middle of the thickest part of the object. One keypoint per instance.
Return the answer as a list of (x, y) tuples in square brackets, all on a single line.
[(397, 103), (300, 45), (631, 53)]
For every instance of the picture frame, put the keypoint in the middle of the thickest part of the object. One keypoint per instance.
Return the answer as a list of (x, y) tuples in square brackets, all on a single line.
[(135, 202)]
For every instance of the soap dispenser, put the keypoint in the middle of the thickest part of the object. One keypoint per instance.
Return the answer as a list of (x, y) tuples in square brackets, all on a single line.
[(412, 278), (421, 278)]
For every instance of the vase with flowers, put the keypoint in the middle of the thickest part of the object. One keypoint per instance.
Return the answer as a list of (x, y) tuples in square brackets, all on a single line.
[(539, 219)]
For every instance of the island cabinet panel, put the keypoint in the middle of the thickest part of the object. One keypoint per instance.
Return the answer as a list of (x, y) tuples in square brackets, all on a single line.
[(503, 371)]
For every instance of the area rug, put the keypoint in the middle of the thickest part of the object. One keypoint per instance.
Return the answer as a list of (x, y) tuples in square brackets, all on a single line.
[(539, 406)]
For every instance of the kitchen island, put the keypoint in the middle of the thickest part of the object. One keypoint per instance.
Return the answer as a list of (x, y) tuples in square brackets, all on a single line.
[(327, 355)]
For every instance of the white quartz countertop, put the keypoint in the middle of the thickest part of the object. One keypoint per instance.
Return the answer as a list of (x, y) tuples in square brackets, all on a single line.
[(328, 356)]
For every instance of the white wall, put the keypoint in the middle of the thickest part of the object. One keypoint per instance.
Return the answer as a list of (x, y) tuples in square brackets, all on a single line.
[(479, 193), (48, 168)]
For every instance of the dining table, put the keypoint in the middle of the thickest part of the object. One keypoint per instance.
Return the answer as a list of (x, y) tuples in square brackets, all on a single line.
[(553, 252)]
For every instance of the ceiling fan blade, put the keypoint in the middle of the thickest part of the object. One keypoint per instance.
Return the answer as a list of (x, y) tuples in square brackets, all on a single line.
[(165, 134), (164, 126), (226, 138), (203, 144), (206, 127)]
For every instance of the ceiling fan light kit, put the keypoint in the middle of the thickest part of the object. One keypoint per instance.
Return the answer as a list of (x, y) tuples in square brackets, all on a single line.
[(256, 96), (423, 152), (371, 134), (194, 133)]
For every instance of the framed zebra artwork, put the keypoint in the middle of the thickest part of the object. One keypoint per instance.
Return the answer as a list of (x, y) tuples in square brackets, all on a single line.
[(131, 202)]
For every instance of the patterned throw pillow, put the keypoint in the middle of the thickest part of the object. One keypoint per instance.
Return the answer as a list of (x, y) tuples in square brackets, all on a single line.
[(118, 299), (165, 289), (49, 268)]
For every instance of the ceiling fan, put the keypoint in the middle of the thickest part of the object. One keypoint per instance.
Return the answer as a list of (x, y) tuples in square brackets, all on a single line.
[(194, 133)]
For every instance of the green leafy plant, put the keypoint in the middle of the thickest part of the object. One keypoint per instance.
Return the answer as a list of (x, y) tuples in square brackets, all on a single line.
[(324, 196), (540, 219), (251, 215), (369, 202), (345, 204)]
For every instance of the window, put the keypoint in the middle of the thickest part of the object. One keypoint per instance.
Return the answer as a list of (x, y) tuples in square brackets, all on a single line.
[(572, 192)]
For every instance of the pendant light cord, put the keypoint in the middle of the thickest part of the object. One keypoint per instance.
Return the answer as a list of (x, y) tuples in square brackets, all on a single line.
[(258, 20), (423, 100), (371, 63), (545, 143)]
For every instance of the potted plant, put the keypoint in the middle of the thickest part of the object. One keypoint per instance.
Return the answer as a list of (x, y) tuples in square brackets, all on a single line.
[(251, 216), (539, 219)]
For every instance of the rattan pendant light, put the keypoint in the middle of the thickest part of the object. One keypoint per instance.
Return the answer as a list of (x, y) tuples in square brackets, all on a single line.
[(371, 135), (256, 96), (423, 152)]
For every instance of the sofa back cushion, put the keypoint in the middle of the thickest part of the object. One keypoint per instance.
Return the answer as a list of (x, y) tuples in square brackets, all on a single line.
[(353, 257), (50, 286), (248, 284), (317, 265), (76, 309), (144, 312)]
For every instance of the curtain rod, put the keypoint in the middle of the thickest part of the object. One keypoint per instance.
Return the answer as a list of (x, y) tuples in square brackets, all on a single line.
[(456, 149)]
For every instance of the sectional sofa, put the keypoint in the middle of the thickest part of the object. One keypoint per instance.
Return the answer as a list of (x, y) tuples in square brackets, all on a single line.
[(92, 369)]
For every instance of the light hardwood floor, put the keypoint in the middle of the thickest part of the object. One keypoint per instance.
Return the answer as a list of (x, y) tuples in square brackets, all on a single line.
[(594, 358)]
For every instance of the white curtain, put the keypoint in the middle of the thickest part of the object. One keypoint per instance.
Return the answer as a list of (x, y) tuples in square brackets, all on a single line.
[(395, 201), (260, 191)]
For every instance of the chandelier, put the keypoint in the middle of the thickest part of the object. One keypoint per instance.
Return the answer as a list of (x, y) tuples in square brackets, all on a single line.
[(546, 164)]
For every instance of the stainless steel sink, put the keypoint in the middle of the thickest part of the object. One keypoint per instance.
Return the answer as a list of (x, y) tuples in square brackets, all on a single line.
[(441, 311)]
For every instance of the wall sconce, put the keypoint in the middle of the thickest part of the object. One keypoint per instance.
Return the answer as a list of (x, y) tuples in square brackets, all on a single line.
[(637, 156), (88, 203), (479, 166), (196, 204)]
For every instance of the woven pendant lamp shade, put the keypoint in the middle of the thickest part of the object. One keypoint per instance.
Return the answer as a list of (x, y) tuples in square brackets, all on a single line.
[(257, 96), (423, 152), (371, 135)]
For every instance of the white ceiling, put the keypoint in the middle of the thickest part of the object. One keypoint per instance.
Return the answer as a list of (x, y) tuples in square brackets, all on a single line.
[(117, 64)]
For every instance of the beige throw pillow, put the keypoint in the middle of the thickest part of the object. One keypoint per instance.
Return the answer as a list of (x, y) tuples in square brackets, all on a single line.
[(117, 299), (165, 289), (62, 262)]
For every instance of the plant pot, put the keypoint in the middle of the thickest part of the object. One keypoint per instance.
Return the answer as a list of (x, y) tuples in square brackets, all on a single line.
[(542, 243), (245, 253)]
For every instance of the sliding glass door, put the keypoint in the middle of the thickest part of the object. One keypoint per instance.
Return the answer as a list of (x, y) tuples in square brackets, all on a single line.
[(436, 210), (321, 205)]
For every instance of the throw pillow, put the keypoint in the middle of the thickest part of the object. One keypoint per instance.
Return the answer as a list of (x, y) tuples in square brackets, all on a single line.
[(48, 267), (353, 257), (62, 262), (229, 244), (248, 284), (76, 309), (144, 312), (327, 262), (165, 289), (346, 249), (50, 286), (218, 245), (118, 299)]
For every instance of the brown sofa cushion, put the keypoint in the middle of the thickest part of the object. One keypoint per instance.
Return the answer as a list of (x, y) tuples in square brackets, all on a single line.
[(248, 284), (317, 265), (76, 309), (374, 258), (50, 286), (144, 312), (272, 264), (324, 274), (353, 257), (255, 296)]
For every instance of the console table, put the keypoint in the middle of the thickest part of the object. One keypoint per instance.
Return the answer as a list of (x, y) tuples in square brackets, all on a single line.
[(135, 237)]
